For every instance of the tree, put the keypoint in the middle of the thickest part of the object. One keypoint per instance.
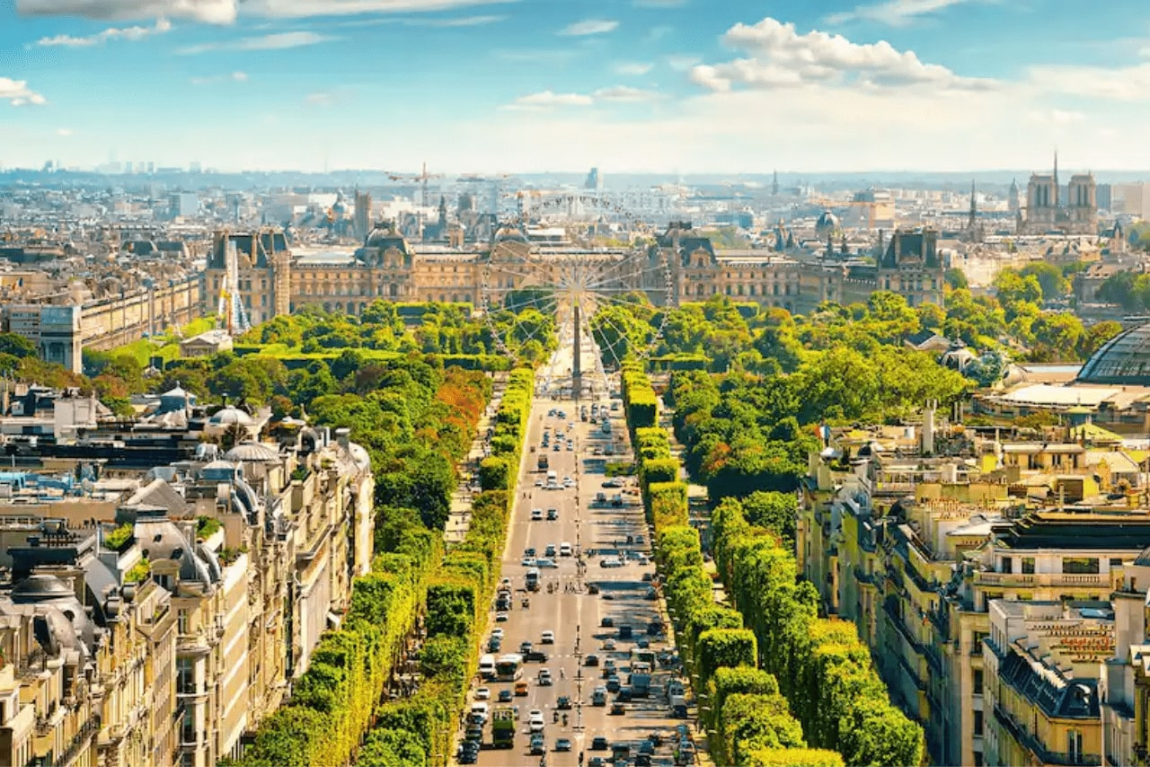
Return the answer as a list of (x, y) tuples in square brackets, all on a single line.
[(774, 511), (1050, 278), (956, 278), (1096, 335), (16, 345)]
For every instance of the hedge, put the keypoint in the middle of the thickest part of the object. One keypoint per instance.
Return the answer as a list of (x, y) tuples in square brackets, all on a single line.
[(495, 473)]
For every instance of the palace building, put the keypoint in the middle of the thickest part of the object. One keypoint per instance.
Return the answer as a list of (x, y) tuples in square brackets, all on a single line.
[(681, 266)]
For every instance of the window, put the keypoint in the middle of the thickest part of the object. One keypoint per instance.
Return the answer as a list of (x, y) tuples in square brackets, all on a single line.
[(188, 727), (1028, 565), (182, 620), (1115, 562), (978, 759), (976, 647), (185, 676), (1080, 565), (1008, 564), (978, 681), (1074, 745), (978, 723)]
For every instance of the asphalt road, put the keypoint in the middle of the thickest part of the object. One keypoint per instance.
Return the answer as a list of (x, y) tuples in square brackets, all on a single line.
[(576, 616)]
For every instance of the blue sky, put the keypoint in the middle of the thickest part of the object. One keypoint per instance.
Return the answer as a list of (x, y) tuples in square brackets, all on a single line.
[(533, 85)]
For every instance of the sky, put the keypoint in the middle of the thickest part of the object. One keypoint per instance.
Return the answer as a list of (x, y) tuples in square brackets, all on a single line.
[(511, 86)]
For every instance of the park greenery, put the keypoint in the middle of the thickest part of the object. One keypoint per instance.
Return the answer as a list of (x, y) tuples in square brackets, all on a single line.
[(782, 686)]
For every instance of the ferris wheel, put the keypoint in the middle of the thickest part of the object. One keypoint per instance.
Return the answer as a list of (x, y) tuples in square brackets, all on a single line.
[(537, 283)]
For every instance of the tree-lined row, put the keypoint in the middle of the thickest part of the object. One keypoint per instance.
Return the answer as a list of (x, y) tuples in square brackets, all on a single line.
[(748, 721), (457, 600)]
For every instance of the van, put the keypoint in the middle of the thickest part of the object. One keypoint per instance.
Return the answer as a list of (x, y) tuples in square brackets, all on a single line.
[(478, 714), (487, 667)]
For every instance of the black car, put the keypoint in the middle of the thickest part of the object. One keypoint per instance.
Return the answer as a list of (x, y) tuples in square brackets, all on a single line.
[(596, 761), (591, 660), (599, 743), (607, 622), (625, 632), (535, 656), (563, 703)]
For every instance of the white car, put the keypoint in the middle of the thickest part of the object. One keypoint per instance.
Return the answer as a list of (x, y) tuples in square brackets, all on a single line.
[(483, 693), (537, 515), (538, 483), (545, 563), (530, 562), (565, 549), (536, 720), (568, 483), (501, 617), (547, 637), (611, 562), (497, 634)]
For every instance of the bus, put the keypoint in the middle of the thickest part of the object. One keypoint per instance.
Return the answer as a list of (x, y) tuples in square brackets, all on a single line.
[(509, 667), (487, 667), (532, 581)]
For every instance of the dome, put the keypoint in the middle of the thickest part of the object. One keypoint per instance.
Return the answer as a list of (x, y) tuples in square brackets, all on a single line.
[(229, 415), (1123, 360), (39, 587), (510, 234), (828, 222), (255, 452), (384, 236)]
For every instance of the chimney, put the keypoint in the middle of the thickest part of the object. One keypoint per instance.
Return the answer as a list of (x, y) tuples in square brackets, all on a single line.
[(343, 436)]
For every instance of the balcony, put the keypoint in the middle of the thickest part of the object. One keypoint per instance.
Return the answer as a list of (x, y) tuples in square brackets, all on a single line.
[(1036, 747), (1033, 580)]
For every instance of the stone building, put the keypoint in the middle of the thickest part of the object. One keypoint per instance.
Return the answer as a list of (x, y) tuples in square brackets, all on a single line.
[(1046, 211)]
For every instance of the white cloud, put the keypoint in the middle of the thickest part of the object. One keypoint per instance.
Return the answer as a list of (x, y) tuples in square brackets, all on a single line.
[(18, 94), (1121, 84), (895, 13), (633, 68), (273, 42), (235, 77), (462, 21), (682, 62), (210, 11), (549, 100), (626, 93), (781, 57), (319, 98), (304, 8), (131, 34), (226, 11), (65, 132), (590, 27)]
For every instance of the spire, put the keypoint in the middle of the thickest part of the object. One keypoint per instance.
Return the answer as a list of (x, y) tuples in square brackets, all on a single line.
[(1056, 195), (775, 183)]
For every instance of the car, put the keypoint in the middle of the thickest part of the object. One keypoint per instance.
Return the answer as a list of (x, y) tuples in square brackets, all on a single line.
[(538, 483), (501, 617), (596, 761), (570, 446), (552, 514), (471, 756), (550, 551), (597, 451), (529, 562), (483, 693), (557, 447), (521, 689), (505, 696), (563, 703), (609, 644), (497, 634), (610, 562), (568, 482), (536, 721), (599, 743), (648, 577), (548, 637), (494, 645), (537, 515), (535, 656), (599, 696), (613, 683), (545, 679), (607, 622), (563, 744), (655, 739), (538, 745), (591, 659), (626, 632), (545, 563), (529, 551), (609, 667), (612, 483), (647, 746), (525, 647), (565, 549), (643, 643), (651, 595), (617, 709)]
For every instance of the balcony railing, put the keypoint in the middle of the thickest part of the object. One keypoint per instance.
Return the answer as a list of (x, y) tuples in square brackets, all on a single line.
[(987, 578), (1028, 741)]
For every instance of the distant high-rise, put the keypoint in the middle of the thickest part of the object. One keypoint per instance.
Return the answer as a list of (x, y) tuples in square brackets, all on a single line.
[(362, 214), (775, 183), (1012, 198), (594, 181)]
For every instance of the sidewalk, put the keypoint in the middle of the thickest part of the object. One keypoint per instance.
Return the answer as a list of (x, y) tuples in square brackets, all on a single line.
[(459, 519)]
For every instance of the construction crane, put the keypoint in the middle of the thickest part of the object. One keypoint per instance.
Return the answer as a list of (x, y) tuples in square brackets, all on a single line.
[(421, 179)]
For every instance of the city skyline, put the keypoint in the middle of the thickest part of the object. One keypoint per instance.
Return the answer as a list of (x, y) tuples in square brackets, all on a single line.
[(638, 86)]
